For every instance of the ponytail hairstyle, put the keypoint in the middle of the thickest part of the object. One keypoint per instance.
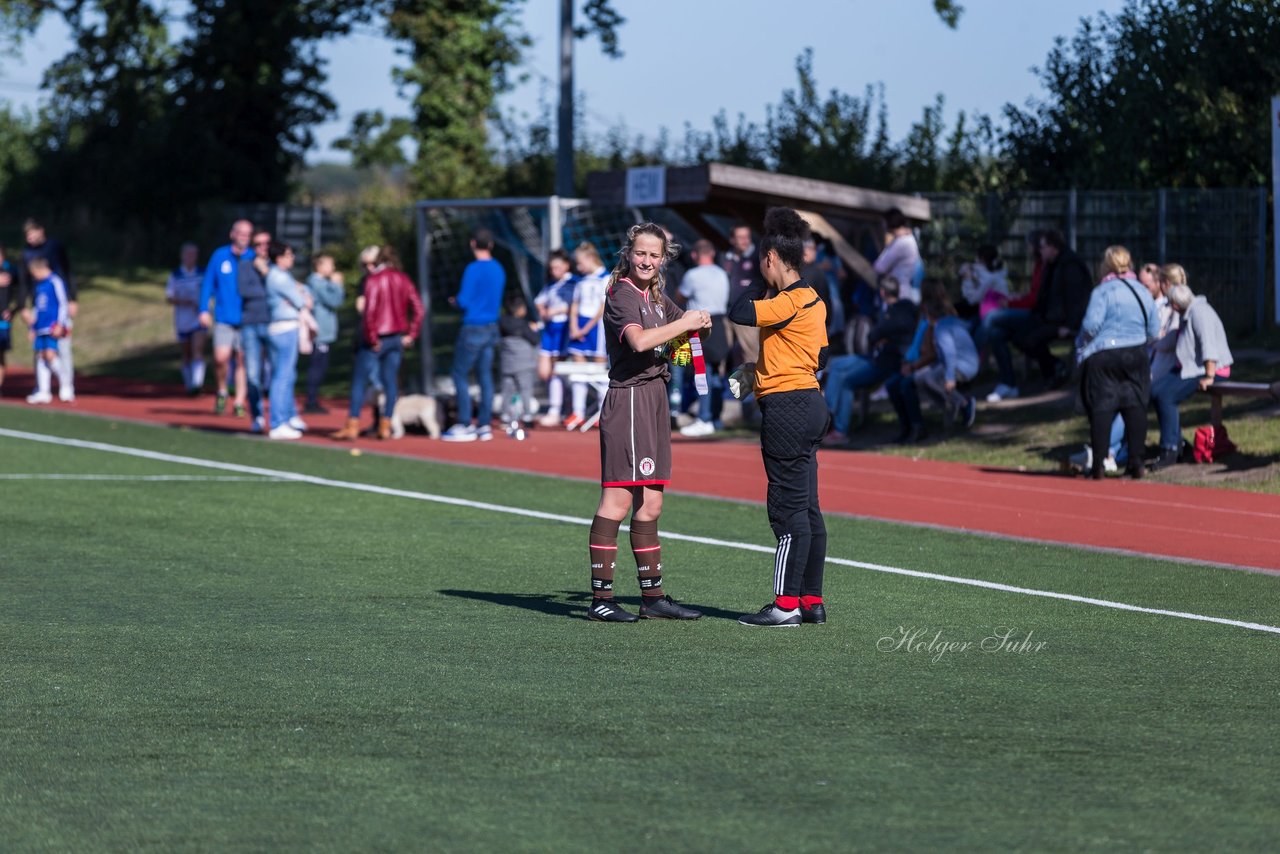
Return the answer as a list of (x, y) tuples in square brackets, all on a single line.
[(785, 232), (670, 251)]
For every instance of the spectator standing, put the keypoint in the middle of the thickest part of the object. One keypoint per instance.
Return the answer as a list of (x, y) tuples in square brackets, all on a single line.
[(901, 256), (324, 286), (1119, 321), (182, 291), (1201, 356), (40, 245), (705, 287), (222, 287), (48, 323), (586, 337), (553, 303), (391, 318), (520, 339), (8, 288), (480, 299), (743, 267), (286, 300), (255, 318)]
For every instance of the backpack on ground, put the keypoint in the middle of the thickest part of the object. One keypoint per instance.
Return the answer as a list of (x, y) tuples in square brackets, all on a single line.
[(1212, 443)]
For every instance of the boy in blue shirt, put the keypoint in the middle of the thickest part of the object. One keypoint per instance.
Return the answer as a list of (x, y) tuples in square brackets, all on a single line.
[(48, 325)]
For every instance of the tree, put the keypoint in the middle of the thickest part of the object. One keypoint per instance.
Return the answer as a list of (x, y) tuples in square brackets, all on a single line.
[(1164, 94), (140, 127)]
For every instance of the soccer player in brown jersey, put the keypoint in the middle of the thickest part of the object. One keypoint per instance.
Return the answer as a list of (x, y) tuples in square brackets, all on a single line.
[(635, 424)]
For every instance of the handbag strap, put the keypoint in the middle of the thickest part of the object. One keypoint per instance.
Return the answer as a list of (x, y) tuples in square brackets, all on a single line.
[(1145, 321)]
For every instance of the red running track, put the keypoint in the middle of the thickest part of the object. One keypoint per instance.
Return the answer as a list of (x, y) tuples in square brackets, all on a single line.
[(1189, 523)]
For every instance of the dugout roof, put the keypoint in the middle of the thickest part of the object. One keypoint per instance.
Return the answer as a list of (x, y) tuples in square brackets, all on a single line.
[(850, 216)]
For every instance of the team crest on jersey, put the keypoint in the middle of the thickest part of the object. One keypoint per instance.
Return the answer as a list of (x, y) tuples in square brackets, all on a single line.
[(647, 466)]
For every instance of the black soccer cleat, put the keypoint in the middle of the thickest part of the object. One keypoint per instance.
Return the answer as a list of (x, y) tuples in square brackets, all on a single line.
[(771, 616), (608, 611), (666, 608), (816, 614)]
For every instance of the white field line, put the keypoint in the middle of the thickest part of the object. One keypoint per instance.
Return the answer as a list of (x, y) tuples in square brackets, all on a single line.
[(576, 520), (147, 478)]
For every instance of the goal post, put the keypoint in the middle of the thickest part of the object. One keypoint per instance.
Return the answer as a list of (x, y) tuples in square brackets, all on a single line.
[(526, 229)]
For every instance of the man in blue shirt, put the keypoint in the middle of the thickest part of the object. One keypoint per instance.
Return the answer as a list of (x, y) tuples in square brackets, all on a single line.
[(222, 285), (480, 300)]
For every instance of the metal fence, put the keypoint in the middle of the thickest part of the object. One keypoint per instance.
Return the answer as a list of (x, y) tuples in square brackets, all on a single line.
[(1219, 236), (306, 227)]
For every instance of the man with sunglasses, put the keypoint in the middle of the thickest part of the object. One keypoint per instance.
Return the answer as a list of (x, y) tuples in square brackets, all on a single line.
[(222, 286)]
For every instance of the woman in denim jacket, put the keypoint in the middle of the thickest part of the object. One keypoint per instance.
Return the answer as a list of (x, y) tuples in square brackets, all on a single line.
[(1119, 321)]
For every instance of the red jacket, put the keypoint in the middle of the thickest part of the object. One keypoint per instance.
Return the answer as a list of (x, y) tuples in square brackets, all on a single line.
[(391, 306)]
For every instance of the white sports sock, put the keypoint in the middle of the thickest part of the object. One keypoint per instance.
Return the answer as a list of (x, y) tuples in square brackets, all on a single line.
[(580, 399), (64, 365), (197, 373), (555, 395), (43, 376)]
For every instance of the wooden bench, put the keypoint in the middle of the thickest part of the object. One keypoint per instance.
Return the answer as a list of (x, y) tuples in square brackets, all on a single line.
[(1222, 388)]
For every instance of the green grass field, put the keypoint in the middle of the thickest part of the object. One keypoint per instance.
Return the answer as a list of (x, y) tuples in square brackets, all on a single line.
[(263, 662)]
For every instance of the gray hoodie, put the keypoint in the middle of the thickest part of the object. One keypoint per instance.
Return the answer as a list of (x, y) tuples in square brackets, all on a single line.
[(1201, 338)]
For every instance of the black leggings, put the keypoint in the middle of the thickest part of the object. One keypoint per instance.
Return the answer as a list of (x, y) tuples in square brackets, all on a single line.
[(792, 426)]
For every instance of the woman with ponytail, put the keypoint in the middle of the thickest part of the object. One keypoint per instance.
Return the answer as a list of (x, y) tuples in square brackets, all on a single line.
[(635, 424), (794, 417)]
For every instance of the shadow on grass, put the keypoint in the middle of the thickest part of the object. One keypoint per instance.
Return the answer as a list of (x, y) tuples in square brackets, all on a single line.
[(566, 603)]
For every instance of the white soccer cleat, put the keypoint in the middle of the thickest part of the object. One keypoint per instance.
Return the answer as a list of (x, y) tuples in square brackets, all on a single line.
[(39, 398), (284, 432)]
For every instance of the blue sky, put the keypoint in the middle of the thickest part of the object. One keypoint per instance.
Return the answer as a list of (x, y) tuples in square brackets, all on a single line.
[(687, 59)]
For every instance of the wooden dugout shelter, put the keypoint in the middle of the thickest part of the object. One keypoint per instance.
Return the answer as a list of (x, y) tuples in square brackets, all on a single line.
[(852, 217)]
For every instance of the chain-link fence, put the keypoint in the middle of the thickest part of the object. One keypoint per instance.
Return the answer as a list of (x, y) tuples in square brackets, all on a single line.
[(1219, 236)]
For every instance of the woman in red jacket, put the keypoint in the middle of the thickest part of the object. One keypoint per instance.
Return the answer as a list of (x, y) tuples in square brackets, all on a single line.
[(392, 318)]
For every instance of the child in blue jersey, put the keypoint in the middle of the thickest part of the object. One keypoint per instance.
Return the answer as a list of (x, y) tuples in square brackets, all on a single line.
[(182, 291), (48, 325), (553, 303), (586, 343)]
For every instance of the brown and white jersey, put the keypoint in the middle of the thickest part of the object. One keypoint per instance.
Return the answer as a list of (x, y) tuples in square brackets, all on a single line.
[(625, 306)]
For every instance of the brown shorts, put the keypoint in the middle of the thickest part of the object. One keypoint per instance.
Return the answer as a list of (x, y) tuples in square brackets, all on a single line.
[(635, 436)]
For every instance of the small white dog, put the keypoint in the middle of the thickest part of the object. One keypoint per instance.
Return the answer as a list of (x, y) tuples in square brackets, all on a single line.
[(415, 409)]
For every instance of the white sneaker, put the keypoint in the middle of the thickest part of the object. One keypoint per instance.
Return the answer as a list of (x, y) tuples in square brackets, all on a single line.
[(298, 424), (698, 429), (37, 398), (1002, 392), (284, 431), (1109, 465), (460, 433), (484, 434), (881, 393), (259, 425), (67, 395)]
